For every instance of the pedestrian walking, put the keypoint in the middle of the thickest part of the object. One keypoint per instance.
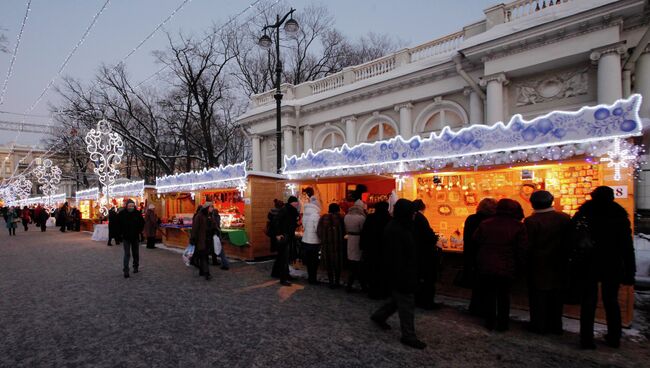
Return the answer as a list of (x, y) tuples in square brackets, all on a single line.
[(113, 227), (202, 232), (548, 256), (26, 217), (285, 233), (426, 240), (37, 215), (216, 223), (310, 240), (271, 223), (604, 238), (76, 219), (330, 232), (151, 222), (131, 225), (44, 217), (11, 220), (62, 217), (371, 237), (399, 251), (486, 208), (354, 221), (502, 244)]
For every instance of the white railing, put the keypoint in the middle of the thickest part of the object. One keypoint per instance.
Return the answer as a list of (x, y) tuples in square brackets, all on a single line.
[(328, 83), (264, 98), (374, 68), (523, 8), (436, 47)]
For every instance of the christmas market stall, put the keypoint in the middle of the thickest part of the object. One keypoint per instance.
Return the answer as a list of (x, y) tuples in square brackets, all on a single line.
[(566, 153), (242, 198), (88, 203)]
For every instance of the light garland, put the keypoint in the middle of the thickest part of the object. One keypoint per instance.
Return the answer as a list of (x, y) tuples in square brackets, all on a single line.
[(92, 194), (399, 181), (292, 188), (48, 202), (5, 84), (22, 187), (106, 149), (621, 156), (554, 136), (49, 176), (229, 176)]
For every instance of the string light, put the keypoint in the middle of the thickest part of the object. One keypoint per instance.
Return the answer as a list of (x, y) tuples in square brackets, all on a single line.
[(15, 53), (229, 176), (619, 157), (131, 189), (105, 148), (49, 176)]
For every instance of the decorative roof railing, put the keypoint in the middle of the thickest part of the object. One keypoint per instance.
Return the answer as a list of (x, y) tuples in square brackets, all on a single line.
[(524, 8)]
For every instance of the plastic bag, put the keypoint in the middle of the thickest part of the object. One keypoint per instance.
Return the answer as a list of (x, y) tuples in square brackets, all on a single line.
[(217, 244), (187, 254)]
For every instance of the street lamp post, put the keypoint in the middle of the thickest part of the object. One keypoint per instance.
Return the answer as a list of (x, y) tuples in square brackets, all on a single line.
[(291, 27)]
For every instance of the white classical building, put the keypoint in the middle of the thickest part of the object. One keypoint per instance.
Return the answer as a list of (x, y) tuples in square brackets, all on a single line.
[(525, 57)]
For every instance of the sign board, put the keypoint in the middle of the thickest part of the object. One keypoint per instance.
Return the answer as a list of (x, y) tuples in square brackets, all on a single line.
[(620, 191)]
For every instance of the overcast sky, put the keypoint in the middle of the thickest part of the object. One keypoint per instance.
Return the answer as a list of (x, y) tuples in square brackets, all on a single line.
[(54, 27)]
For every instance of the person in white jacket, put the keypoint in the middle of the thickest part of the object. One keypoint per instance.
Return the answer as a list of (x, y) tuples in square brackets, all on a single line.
[(310, 240), (354, 220)]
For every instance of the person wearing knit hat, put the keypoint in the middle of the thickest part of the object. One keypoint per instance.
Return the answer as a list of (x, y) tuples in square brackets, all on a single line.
[(151, 223), (131, 225), (548, 231)]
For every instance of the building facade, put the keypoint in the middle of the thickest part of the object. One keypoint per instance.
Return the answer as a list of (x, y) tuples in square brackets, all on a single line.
[(526, 57)]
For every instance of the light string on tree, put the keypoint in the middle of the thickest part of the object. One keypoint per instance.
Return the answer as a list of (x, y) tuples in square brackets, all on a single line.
[(15, 52), (105, 148), (232, 19)]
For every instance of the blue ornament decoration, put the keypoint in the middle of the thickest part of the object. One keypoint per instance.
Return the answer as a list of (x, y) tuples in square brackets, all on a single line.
[(529, 134), (456, 143), (446, 137), (517, 126), (414, 144), (559, 132), (467, 137), (394, 155), (628, 125), (383, 147), (601, 113), (618, 111), (544, 126), (477, 144)]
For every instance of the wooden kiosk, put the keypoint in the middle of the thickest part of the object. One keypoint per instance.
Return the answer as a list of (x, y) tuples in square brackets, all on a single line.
[(566, 153), (88, 203), (242, 198)]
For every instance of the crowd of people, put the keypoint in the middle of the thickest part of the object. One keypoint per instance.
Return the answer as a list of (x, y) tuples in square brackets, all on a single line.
[(65, 218), (393, 254)]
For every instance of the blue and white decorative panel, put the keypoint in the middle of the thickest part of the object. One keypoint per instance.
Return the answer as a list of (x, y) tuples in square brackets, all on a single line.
[(215, 178), (131, 189), (86, 194), (557, 135)]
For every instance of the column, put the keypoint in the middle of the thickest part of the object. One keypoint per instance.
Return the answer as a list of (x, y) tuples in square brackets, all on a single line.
[(257, 154), (494, 84), (350, 130), (288, 141), (610, 87), (307, 139), (405, 120), (475, 106), (642, 82)]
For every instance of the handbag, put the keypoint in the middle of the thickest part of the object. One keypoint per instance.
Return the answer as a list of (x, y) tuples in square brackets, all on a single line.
[(217, 244)]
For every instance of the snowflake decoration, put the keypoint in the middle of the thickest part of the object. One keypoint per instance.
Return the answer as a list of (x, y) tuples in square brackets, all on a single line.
[(49, 176), (399, 181), (106, 149), (618, 158), (242, 188), (22, 187), (292, 187)]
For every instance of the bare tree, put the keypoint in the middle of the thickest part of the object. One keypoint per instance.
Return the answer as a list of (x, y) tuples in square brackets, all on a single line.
[(4, 41)]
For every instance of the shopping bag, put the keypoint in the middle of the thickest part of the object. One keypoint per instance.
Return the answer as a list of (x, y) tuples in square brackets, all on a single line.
[(217, 244), (187, 254)]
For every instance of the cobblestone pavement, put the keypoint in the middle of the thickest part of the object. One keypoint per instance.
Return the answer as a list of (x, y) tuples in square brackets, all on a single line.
[(64, 303)]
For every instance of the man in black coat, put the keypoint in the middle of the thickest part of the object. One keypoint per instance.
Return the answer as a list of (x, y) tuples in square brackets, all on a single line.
[(113, 227), (371, 236), (608, 260), (131, 225), (426, 240), (400, 259), (284, 230)]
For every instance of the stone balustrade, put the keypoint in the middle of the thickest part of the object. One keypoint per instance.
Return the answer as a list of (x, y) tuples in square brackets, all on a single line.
[(525, 8)]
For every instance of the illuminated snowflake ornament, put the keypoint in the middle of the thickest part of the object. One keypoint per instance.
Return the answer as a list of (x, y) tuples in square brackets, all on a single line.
[(22, 187), (620, 157), (49, 177), (242, 188), (106, 149)]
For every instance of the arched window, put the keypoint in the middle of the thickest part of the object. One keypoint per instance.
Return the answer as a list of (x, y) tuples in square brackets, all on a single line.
[(439, 115), (379, 132), (330, 139)]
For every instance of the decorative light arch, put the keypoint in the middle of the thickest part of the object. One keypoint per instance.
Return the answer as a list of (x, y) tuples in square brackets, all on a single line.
[(326, 132), (439, 107), (374, 120)]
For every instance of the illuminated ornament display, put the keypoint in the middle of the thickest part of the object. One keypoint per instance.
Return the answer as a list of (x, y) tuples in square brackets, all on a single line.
[(129, 190), (83, 195), (400, 180), (229, 176), (292, 188), (22, 187), (621, 156), (557, 135), (242, 187), (106, 149), (49, 176)]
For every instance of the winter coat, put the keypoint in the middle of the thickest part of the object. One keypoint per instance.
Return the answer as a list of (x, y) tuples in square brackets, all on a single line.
[(200, 233), (150, 224), (131, 225), (612, 258), (548, 253), (470, 248), (330, 232), (400, 256), (426, 240), (371, 234), (113, 223), (354, 221), (11, 217), (287, 222), (502, 243), (26, 215), (43, 216), (310, 218)]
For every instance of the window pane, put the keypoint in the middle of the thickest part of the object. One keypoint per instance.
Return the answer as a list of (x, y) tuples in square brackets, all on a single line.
[(434, 122), (389, 132), (373, 135), (452, 119)]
